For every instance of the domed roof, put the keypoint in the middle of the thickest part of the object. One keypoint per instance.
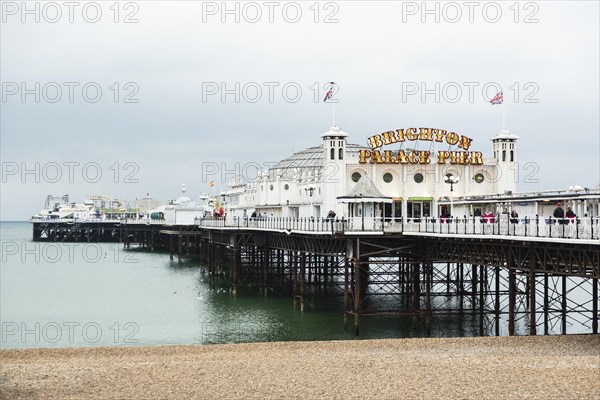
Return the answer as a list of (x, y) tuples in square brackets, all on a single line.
[(182, 200), (334, 131), (505, 134), (311, 157)]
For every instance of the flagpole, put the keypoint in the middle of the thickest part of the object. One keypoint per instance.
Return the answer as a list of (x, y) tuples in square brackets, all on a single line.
[(333, 112)]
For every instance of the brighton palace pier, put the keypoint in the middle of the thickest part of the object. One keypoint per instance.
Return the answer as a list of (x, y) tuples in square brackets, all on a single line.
[(382, 182), (416, 223)]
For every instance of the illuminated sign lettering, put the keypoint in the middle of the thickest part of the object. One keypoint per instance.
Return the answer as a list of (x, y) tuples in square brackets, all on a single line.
[(461, 157)]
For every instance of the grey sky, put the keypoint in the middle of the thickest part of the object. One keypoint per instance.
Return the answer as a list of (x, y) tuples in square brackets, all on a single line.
[(375, 52)]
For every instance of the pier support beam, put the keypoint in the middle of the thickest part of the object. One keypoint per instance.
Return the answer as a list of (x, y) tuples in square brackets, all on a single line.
[(357, 288), (563, 305), (595, 315), (497, 300), (482, 280), (511, 301), (532, 305), (346, 287), (473, 287), (179, 247), (546, 306), (302, 278), (234, 269)]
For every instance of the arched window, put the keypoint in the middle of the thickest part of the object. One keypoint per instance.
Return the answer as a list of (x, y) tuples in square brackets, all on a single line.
[(512, 155), (332, 154), (503, 155), (341, 154)]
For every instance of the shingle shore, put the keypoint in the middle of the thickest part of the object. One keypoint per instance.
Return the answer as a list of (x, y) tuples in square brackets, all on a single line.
[(540, 367)]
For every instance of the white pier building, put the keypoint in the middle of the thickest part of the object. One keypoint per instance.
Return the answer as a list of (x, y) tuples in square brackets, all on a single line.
[(401, 173)]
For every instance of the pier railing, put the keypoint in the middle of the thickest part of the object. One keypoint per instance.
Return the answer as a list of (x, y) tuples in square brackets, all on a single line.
[(503, 225), (137, 221), (307, 224)]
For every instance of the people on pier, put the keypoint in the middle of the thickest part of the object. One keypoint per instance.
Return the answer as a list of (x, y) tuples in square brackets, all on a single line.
[(559, 214), (570, 214), (446, 218), (514, 217), (488, 217)]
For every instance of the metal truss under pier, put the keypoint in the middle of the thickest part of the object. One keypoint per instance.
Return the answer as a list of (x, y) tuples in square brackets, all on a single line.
[(508, 285)]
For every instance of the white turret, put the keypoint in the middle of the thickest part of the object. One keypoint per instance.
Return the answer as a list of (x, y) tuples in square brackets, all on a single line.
[(504, 147), (334, 169)]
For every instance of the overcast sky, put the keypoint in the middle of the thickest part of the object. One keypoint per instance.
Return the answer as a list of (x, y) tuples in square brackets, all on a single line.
[(162, 118)]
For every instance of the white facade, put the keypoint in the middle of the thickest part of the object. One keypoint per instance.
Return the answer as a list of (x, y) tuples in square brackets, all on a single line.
[(309, 183), (183, 210)]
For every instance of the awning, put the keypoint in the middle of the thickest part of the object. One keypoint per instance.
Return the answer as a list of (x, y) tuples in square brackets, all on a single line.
[(420, 198), (365, 191), (397, 198)]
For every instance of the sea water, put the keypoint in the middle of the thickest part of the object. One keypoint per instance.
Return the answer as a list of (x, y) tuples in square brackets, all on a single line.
[(99, 294)]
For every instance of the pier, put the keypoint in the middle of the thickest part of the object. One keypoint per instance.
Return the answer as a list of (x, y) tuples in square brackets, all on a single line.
[(527, 278)]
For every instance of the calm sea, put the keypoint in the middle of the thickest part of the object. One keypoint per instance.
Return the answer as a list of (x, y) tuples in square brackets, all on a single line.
[(75, 294)]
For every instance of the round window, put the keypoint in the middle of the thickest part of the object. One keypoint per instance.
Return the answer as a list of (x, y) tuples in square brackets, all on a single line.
[(479, 178), (356, 176), (286, 186), (387, 177), (418, 177), (271, 187)]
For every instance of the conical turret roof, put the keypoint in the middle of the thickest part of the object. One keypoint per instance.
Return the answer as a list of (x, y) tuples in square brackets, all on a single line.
[(365, 190)]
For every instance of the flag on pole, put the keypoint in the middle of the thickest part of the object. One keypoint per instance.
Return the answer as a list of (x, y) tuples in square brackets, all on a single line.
[(329, 93), (498, 99), (212, 183)]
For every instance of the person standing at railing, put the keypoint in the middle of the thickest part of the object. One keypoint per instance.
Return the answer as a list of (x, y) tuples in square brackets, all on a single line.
[(559, 214), (488, 217), (570, 214), (253, 216), (514, 217)]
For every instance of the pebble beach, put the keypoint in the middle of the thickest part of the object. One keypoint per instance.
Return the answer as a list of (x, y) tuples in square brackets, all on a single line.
[(541, 367)]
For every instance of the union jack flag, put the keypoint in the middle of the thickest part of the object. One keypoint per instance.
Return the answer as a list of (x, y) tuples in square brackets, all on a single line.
[(498, 99), (329, 92)]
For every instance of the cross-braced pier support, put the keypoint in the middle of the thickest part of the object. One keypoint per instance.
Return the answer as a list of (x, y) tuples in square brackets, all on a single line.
[(501, 286)]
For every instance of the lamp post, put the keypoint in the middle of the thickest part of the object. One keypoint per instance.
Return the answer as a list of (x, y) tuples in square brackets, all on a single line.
[(452, 180), (224, 203), (309, 192)]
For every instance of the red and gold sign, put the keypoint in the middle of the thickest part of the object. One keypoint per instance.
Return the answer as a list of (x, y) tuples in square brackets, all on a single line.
[(461, 157)]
